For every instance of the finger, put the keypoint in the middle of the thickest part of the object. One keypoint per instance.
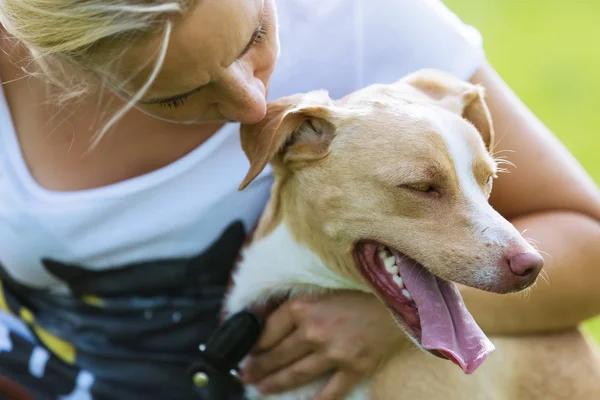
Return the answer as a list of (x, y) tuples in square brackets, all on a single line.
[(277, 327), (288, 351), (338, 386), (297, 374)]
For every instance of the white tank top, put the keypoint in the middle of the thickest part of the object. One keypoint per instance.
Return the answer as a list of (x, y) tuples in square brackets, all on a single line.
[(182, 209)]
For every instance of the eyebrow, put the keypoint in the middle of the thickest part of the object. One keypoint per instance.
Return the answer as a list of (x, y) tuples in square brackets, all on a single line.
[(246, 49)]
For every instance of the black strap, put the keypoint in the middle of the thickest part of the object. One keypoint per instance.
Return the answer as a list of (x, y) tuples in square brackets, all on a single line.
[(215, 374)]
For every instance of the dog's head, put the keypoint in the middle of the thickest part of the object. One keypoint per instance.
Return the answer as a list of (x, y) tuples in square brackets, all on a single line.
[(390, 185)]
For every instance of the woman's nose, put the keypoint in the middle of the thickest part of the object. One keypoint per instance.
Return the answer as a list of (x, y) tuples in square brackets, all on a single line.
[(245, 100)]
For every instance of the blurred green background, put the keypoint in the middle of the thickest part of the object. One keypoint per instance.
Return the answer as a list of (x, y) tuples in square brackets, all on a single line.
[(549, 53)]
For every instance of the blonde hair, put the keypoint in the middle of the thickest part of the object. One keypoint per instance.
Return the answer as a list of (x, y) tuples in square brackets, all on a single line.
[(75, 43)]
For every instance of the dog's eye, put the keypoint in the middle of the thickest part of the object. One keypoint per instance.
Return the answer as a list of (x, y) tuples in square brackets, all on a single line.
[(422, 188)]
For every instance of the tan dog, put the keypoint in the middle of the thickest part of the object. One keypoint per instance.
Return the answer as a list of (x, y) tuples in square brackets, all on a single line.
[(385, 191)]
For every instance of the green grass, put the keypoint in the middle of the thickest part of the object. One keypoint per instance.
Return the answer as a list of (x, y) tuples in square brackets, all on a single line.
[(549, 53)]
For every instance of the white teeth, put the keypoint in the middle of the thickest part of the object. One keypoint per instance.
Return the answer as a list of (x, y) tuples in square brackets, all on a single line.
[(398, 281), (390, 265), (389, 261)]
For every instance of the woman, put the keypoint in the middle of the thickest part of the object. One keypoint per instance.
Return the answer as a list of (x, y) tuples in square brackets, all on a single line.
[(120, 218)]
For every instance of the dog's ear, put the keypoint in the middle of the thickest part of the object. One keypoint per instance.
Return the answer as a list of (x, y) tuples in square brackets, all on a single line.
[(458, 96), (297, 128)]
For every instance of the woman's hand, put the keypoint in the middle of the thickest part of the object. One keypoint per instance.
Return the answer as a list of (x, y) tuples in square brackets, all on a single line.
[(346, 333)]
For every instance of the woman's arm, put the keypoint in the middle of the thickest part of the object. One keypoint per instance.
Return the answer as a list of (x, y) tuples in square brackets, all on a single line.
[(550, 198)]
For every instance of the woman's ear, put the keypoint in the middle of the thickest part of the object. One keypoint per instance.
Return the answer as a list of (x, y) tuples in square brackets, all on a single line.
[(457, 96), (297, 128)]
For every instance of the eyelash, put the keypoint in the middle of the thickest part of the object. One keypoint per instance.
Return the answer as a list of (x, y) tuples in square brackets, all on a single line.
[(173, 104), (261, 35), (259, 38)]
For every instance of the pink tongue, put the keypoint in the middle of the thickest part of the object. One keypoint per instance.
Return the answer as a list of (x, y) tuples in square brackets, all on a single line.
[(446, 324)]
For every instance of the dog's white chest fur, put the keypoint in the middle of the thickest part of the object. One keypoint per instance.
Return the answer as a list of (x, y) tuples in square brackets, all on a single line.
[(275, 266)]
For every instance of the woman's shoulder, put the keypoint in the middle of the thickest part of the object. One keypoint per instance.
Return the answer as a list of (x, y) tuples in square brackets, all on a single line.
[(343, 46), (355, 20)]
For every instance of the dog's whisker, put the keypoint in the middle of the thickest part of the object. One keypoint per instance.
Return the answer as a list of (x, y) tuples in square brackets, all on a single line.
[(499, 140), (501, 162), (502, 159), (544, 253), (495, 153), (545, 277), (526, 293), (532, 243), (505, 162)]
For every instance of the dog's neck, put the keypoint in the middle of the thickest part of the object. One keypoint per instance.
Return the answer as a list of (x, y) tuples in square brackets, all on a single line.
[(277, 265)]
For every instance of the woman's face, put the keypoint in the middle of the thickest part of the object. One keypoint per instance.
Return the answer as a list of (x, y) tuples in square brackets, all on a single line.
[(218, 64)]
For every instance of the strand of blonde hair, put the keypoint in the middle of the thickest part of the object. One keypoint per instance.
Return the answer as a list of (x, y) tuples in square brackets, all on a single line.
[(140, 93), (76, 44)]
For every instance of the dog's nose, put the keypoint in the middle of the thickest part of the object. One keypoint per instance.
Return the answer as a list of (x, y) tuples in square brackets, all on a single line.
[(519, 270), (526, 265)]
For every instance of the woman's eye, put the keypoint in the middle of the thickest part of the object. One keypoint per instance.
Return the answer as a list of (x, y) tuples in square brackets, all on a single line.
[(173, 104), (261, 34)]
